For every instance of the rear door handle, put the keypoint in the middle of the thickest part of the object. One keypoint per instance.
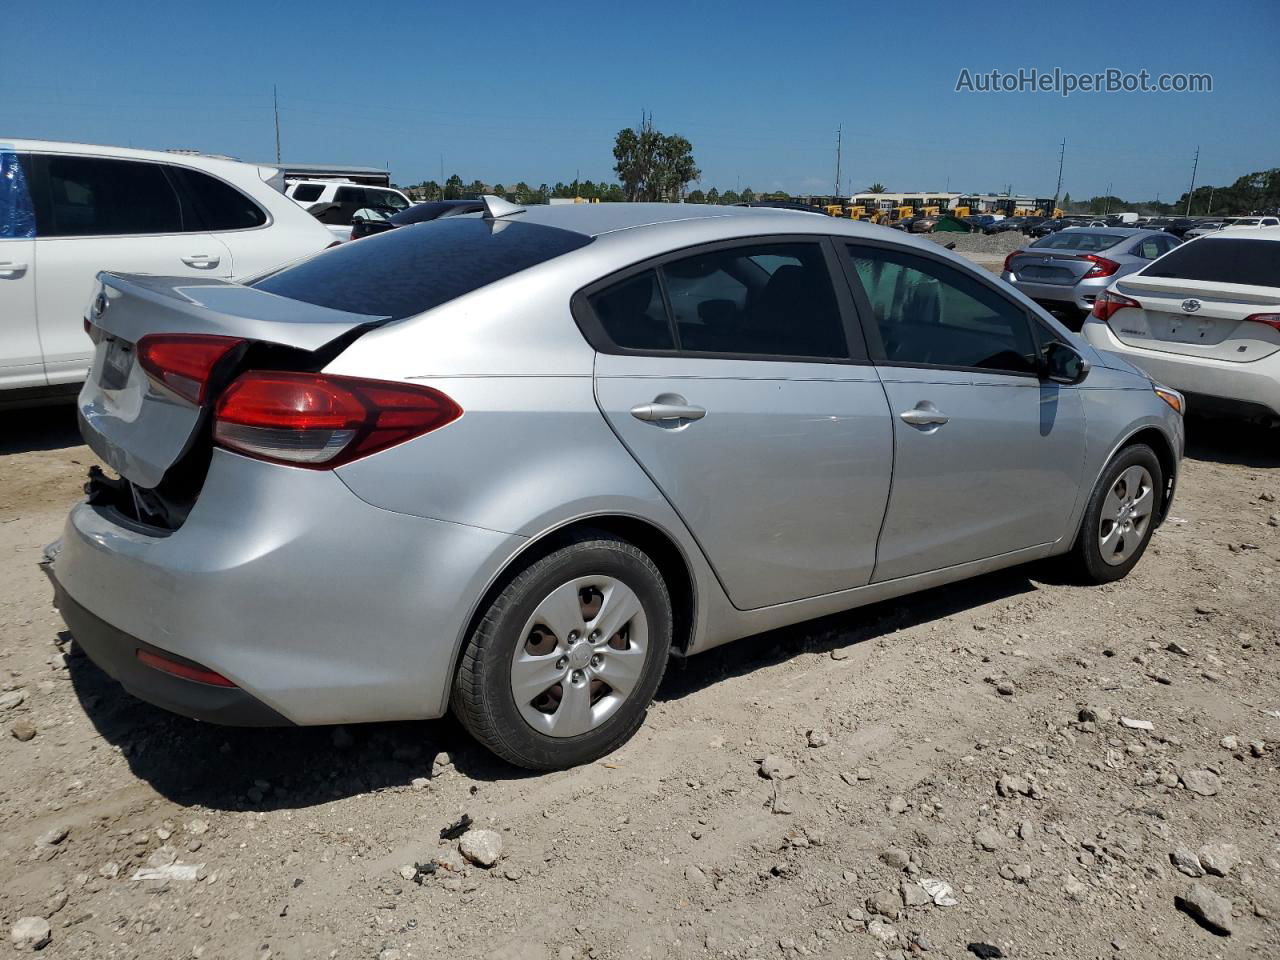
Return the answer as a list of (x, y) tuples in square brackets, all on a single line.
[(666, 407), (924, 414), (201, 261), (9, 268)]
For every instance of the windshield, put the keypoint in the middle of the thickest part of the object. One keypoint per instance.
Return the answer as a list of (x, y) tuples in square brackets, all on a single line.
[(1221, 259)]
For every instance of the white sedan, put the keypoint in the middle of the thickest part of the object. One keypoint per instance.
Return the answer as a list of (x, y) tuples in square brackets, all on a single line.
[(1204, 319)]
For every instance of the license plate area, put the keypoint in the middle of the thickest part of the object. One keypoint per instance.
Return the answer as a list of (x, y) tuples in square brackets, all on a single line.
[(116, 365)]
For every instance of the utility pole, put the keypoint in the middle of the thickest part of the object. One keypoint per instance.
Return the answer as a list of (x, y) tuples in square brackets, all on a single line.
[(1062, 155), (442, 176), (275, 101), (1106, 207), (1192, 189), (1209, 209), (839, 139)]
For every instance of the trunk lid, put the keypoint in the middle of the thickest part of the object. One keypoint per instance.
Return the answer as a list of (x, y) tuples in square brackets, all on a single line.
[(1050, 266), (143, 429), (1197, 318)]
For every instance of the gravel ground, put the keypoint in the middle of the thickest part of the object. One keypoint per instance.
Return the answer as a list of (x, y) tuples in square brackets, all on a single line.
[(1012, 763), (995, 245)]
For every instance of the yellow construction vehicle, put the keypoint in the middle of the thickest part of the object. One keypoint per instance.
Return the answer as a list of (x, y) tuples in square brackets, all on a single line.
[(834, 209), (960, 212), (856, 212), (929, 211)]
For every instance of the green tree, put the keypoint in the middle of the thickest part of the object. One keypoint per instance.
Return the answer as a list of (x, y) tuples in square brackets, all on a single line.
[(696, 196), (877, 187), (1066, 201), (430, 190), (652, 165), (748, 195), (453, 188), (713, 195), (729, 196), (499, 190)]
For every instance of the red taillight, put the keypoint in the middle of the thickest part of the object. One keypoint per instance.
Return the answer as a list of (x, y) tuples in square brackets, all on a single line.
[(321, 421), (184, 361), (1108, 303), (179, 668), (1008, 261), (1270, 319), (1102, 267)]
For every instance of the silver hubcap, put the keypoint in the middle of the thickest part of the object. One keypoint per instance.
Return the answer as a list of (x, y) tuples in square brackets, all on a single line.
[(1126, 515), (580, 656)]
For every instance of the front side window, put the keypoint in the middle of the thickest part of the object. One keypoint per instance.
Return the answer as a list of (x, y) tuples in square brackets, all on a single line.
[(97, 196), (931, 314), (771, 299), (217, 205)]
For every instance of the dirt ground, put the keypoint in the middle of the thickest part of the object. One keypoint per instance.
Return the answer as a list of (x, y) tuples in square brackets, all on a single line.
[(948, 743)]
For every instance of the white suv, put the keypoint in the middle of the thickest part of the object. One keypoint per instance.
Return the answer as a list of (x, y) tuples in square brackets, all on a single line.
[(68, 210), (335, 202)]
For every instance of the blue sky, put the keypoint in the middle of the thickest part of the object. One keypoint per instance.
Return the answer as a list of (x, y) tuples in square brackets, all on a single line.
[(536, 92)]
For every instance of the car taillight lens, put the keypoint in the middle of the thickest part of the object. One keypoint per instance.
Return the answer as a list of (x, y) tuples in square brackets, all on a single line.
[(321, 421), (1108, 303), (183, 362), (1270, 319), (1102, 267), (1008, 261)]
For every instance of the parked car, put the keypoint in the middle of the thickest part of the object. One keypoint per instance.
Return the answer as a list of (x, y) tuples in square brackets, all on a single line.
[(1202, 227), (1180, 225), (981, 223), (336, 203), (1205, 319), (1248, 223), (68, 210), (507, 465), (1071, 267), (1046, 227), (418, 213)]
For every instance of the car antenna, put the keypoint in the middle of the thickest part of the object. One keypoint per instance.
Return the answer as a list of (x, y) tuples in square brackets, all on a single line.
[(496, 208)]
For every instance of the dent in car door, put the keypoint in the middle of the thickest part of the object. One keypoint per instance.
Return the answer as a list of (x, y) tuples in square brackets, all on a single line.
[(99, 213)]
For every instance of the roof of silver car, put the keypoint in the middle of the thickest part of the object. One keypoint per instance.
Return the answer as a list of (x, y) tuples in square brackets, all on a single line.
[(594, 219)]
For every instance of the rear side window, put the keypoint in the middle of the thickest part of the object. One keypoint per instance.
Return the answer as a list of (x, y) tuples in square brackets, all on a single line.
[(412, 269), (1087, 242), (767, 300), (931, 314), (350, 195), (1222, 260), (307, 192), (217, 205), (97, 196), (1149, 249), (633, 314)]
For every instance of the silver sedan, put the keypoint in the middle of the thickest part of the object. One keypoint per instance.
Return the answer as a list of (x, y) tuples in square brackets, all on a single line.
[(510, 463), (1068, 269)]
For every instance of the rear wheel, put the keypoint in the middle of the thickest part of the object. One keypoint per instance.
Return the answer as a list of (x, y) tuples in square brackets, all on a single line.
[(562, 667), (1120, 516)]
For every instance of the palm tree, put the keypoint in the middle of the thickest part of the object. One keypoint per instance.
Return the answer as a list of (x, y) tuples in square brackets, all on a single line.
[(877, 188)]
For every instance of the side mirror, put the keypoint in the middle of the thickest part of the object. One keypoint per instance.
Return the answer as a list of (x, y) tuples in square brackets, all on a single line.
[(1063, 364)]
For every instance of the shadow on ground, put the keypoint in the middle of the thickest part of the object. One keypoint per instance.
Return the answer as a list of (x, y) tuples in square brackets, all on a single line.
[(1238, 442), (39, 428), (225, 768)]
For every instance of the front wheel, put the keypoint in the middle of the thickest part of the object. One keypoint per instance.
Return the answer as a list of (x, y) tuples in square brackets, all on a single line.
[(1120, 516), (562, 667)]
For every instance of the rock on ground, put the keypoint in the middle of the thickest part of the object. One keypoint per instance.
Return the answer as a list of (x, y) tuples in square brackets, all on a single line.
[(1210, 909), (481, 847), (31, 933)]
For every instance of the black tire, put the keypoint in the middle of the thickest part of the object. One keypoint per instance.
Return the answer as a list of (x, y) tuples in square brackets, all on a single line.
[(1086, 558), (482, 697)]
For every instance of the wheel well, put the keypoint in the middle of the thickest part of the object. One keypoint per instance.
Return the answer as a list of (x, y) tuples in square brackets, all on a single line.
[(668, 558), (1160, 445)]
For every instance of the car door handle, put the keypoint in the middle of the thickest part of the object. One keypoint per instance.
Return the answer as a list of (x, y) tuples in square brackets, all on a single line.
[(668, 406), (201, 261), (924, 415), (9, 268)]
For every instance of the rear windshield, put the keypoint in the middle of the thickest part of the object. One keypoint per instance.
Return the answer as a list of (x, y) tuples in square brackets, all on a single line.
[(411, 269), (1079, 241), (1222, 260)]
